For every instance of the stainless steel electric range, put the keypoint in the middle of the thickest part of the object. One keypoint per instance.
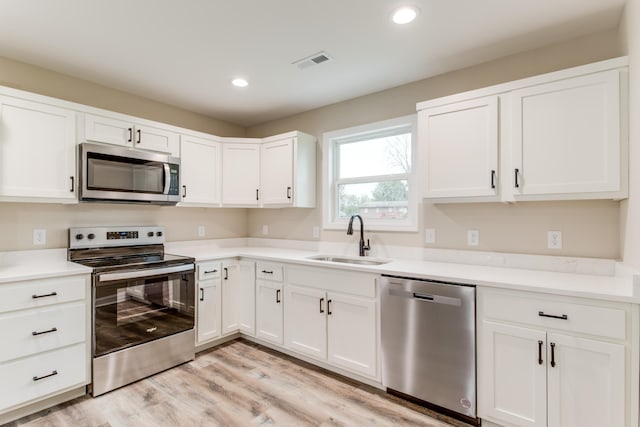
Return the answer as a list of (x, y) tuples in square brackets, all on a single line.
[(143, 303)]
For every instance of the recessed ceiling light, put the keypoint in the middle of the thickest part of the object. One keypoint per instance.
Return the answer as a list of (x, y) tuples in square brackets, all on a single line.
[(404, 15), (240, 82)]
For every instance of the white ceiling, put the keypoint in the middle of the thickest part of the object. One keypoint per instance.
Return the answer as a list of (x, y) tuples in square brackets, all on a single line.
[(185, 52)]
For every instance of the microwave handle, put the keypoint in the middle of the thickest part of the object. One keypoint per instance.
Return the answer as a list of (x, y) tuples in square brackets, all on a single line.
[(167, 179)]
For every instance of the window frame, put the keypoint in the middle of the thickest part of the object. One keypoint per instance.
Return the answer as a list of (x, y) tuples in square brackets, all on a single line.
[(331, 140)]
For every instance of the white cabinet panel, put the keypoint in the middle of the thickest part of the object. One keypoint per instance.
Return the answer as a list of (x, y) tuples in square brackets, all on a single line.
[(209, 310), (240, 174), (586, 383), (200, 171), (306, 323), (37, 151), (276, 172), (245, 279), (269, 311), (512, 383), (108, 130), (566, 136), (155, 139), (352, 332), (461, 148)]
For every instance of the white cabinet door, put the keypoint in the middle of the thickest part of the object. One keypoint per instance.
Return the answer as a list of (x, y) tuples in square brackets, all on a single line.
[(37, 151), (269, 312), (108, 130), (240, 174), (352, 331), (566, 136), (276, 172), (209, 312), (512, 366), (587, 384), (154, 139), (461, 149), (306, 321), (245, 275), (200, 161), (231, 298)]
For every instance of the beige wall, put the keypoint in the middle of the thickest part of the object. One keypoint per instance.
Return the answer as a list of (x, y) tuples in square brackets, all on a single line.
[(630, 209), (27, 77), (589, 228), (18, 220)]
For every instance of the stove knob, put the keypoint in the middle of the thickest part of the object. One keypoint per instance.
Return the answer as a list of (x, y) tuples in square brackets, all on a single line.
[(158, 233), (150, 234), (79, 236), (91, 236)]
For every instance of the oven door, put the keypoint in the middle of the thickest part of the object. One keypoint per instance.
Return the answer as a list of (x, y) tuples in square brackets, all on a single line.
[(135, 307)]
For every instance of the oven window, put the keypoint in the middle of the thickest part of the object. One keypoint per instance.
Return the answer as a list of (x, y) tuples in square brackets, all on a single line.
[(137, 311), (114, 173)]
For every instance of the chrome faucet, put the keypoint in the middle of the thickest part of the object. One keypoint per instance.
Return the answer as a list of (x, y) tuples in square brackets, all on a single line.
[(363, 247)]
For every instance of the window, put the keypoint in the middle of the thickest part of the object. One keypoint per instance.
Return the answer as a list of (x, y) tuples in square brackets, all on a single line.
[(368, 171)]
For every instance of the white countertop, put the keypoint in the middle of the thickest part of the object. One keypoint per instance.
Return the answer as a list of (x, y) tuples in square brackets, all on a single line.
[(28, 265), (612, 288)]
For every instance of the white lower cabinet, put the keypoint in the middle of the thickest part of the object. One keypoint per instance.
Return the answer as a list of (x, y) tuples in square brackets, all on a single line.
[(534, 370), (238, 296), (269, 311), (329, 325), (209, 301)]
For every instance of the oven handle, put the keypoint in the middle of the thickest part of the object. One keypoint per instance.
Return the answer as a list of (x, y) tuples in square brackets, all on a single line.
[(109, 277)]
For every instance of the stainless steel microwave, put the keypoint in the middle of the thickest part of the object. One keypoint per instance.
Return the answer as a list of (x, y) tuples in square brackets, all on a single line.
[(111, 173)]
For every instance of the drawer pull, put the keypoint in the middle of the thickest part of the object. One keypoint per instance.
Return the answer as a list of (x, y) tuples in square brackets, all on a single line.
[(226, 273), (321, 305), (36, 378), (329, 312), (267, 272), (542, 314), (553, 354), (52, 294), (540, 352), (201, 294), (278, 300), (34, 333), (210, 271)]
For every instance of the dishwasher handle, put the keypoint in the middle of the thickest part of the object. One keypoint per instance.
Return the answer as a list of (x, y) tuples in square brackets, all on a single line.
[(435, 299)]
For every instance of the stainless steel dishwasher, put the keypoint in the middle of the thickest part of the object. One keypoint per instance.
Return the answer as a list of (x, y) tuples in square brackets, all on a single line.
[(429, 343)]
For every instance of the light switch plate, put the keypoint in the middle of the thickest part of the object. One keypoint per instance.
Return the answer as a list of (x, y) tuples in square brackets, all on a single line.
[(473, 238), (39, 236), (430, 235)]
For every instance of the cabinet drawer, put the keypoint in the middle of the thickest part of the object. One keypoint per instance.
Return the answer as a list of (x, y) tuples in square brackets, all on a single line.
[(581, 316), (32, 331), (28, 379), (269, 271), (209, 270), (39, 293)]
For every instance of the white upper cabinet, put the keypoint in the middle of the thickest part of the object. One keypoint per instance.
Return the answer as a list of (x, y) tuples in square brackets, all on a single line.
[(566, 138), (200, 171), (130, 133), (558, 136), (241, 174), (461, 149), (288, 171), (37, 151)]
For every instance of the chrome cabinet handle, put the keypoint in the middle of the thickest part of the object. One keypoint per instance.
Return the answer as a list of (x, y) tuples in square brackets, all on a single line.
[(563, 317), (36, 378), (540, 352), (52, 294), (34, 333)]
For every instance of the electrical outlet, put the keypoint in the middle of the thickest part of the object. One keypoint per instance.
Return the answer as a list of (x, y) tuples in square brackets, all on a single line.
[(473, 238), (554, 239), (430, 235), (316, 232), (39, 237), (201, 231), (265, 230)]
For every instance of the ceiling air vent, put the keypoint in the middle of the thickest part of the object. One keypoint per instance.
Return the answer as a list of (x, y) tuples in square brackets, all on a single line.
[(313, 60)]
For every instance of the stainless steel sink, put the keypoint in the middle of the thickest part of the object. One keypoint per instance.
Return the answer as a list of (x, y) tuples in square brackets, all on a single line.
[(357, 261)]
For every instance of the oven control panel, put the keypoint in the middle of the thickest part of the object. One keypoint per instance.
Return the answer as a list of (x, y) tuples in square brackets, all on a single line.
[(97, 237)]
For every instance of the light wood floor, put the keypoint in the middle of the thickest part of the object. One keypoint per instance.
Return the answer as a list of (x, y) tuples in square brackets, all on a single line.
[(239, 384)]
